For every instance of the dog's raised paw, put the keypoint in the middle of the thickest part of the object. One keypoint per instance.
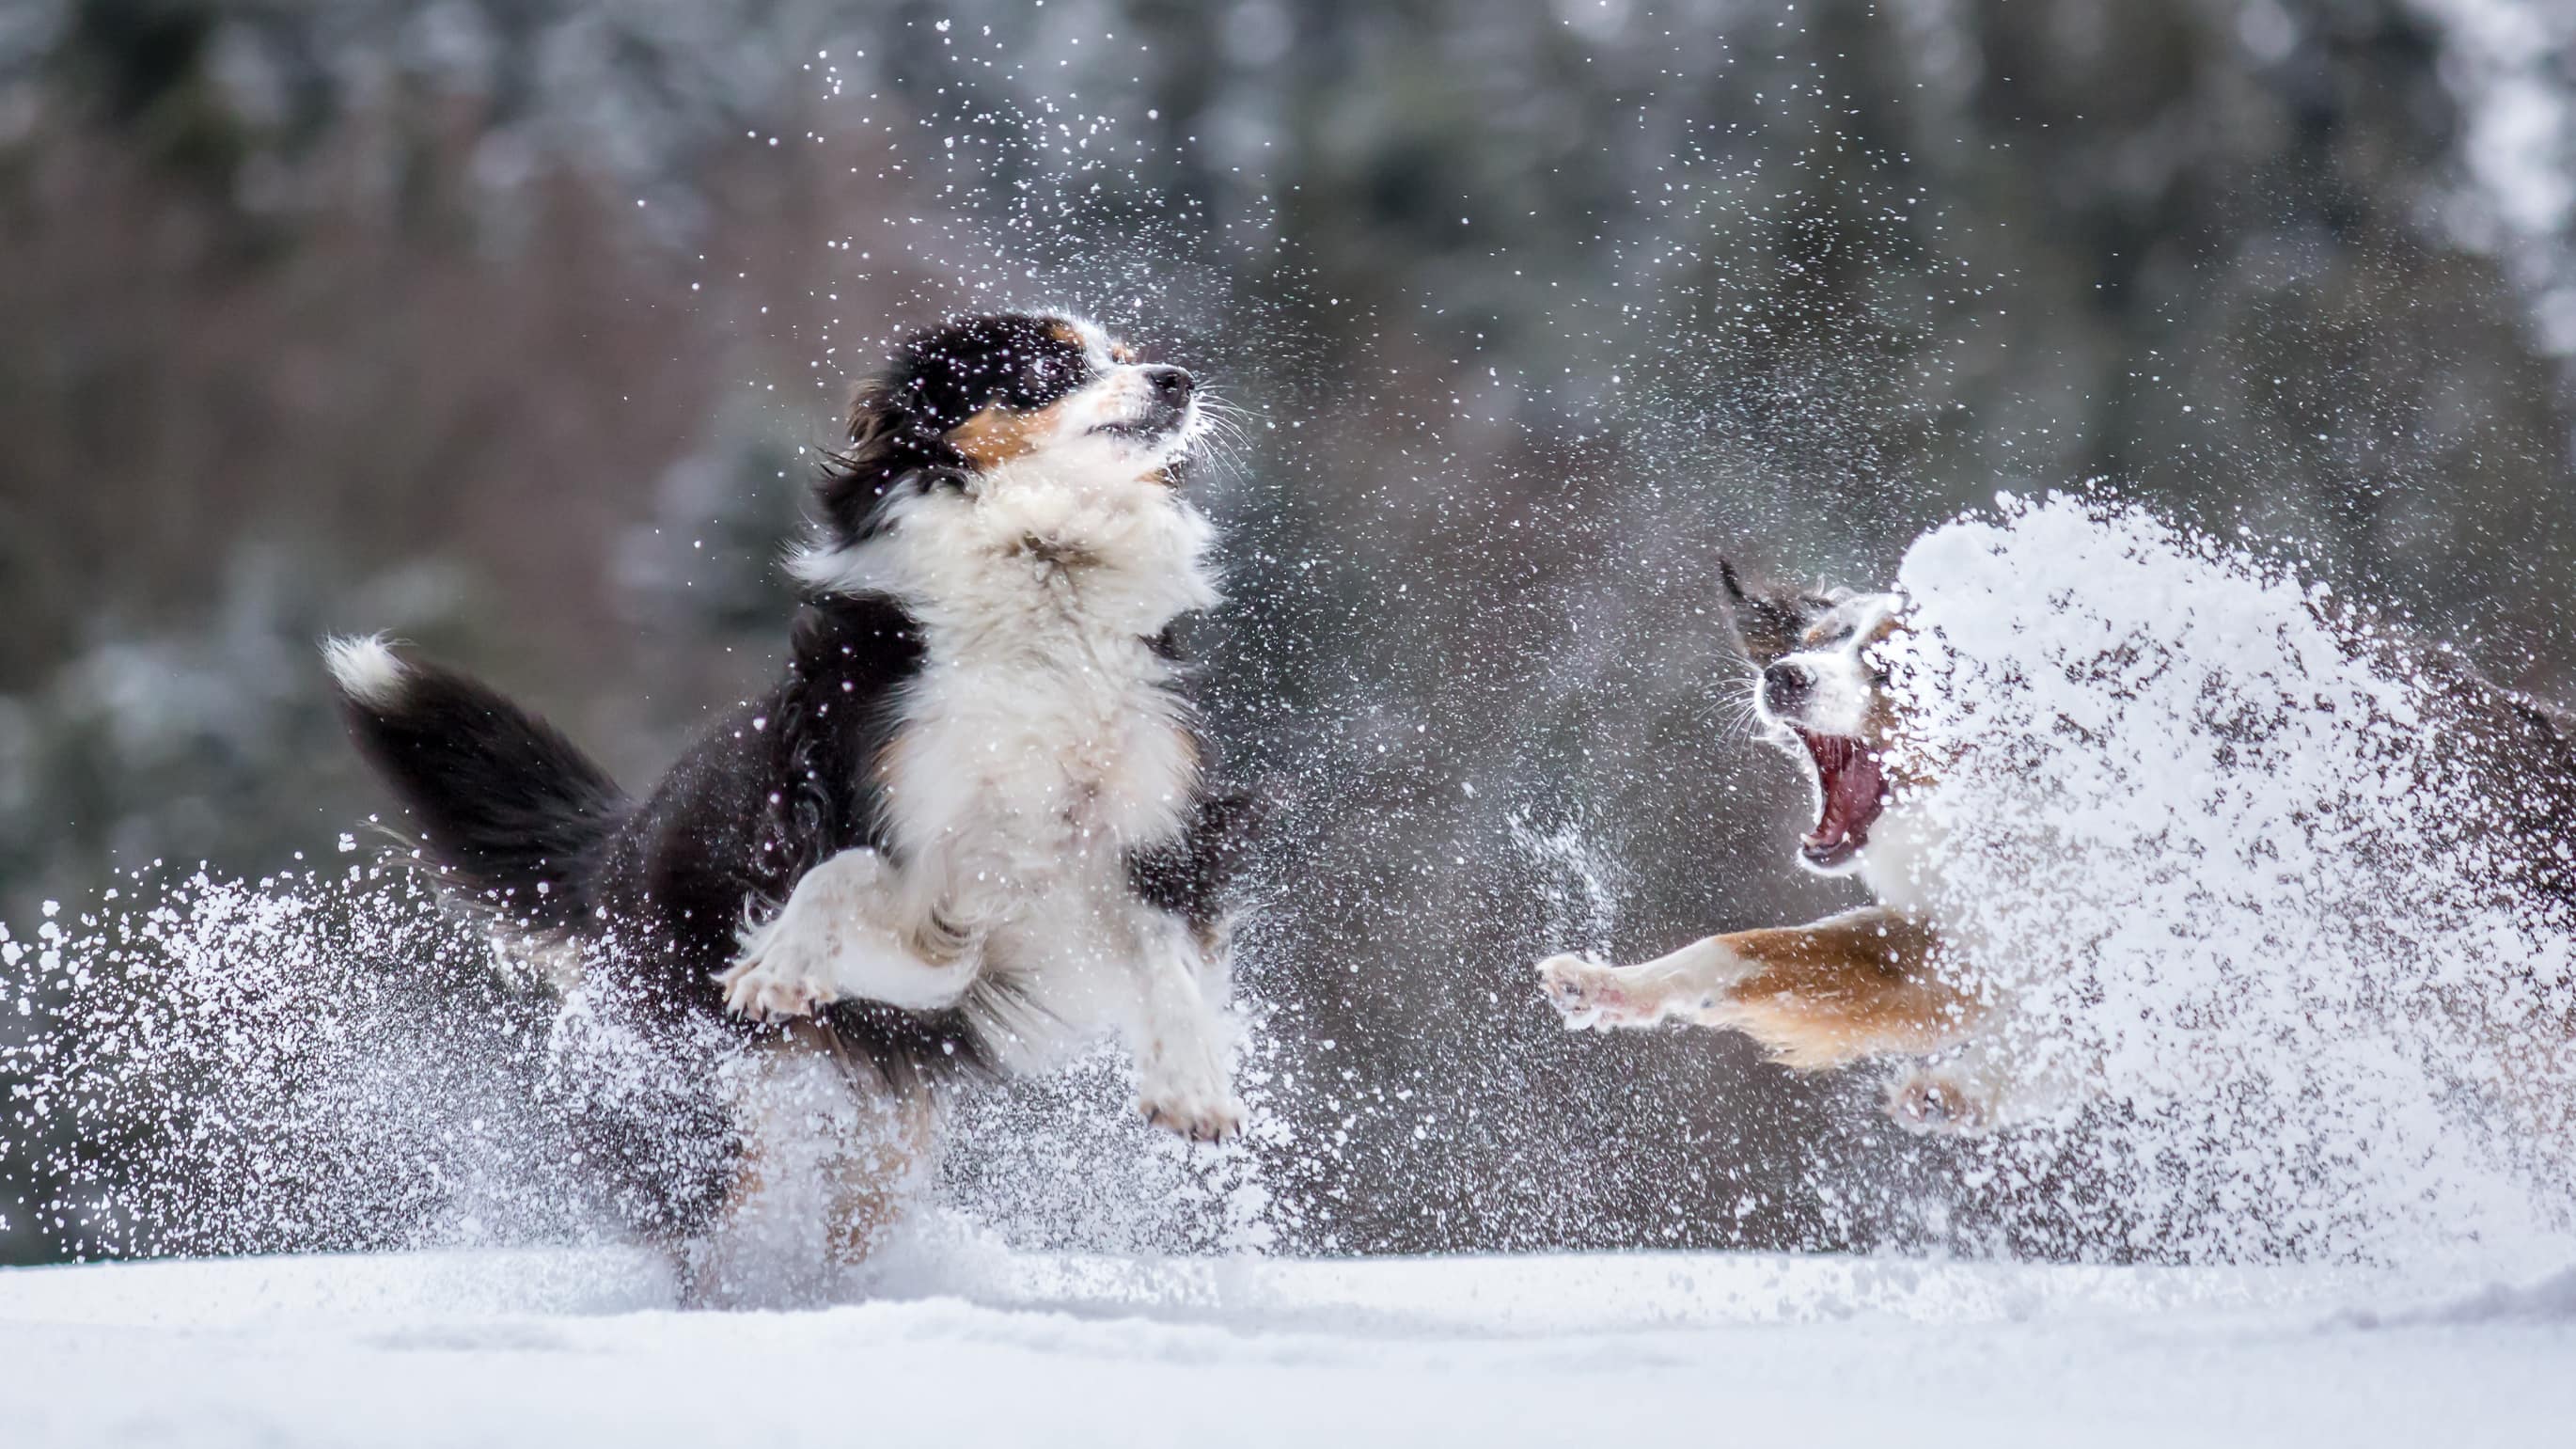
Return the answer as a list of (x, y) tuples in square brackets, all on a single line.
[(765, 988), (1200, 1117), (1586, 993)]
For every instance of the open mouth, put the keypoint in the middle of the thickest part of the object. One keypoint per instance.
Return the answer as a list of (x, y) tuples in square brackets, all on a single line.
[(1854, 792), (1158, 421), (1154, 426)]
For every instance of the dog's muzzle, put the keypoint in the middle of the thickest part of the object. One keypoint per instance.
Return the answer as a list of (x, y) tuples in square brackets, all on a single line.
[(1166, 410), (1786, 686)]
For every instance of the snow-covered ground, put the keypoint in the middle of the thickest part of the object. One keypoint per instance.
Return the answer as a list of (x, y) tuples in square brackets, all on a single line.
[(571, 1348)]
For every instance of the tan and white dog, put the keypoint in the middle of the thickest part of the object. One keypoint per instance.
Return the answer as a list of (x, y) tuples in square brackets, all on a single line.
[(1866, 983), (1893, 980)]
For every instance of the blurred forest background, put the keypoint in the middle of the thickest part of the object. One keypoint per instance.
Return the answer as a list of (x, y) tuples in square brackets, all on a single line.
[(509, 326)]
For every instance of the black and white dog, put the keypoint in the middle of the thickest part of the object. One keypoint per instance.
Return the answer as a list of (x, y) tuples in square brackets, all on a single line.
[(974, 825)]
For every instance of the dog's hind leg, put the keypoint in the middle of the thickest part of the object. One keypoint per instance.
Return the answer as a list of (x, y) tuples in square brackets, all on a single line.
[(832, 941), (831, 1156), (1859, 984)]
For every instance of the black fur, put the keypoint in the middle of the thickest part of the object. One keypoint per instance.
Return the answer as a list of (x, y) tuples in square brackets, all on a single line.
[(1190, 876), (500, 802)]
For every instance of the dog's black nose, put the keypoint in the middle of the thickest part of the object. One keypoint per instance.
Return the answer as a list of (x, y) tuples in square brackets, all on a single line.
[(1785, 686), (1170, 384)]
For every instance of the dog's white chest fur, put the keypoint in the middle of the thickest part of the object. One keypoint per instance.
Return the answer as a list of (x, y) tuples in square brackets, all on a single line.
[(1025, 757), (1040, 741)]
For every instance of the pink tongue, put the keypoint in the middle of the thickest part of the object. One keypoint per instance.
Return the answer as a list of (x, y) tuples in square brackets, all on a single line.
[(1852, 788)]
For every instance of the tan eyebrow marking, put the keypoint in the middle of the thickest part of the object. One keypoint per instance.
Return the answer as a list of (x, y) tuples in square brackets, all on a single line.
[(998, 434)]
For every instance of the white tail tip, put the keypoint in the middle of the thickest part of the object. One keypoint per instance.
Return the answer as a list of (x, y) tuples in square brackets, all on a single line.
[(365, 669)]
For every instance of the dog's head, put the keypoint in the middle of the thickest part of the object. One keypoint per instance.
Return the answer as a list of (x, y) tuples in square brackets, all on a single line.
[(980, 402), (1821, 690)]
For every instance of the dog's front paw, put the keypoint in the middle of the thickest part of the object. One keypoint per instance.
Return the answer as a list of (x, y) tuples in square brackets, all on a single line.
[(1934, 1102), (777, 985), (1586, 993), (1202, 1111), (1208, 1119)]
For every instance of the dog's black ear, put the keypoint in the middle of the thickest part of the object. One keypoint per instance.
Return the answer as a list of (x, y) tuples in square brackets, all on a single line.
[(1768, 625), (891, 452), (1734, 582)]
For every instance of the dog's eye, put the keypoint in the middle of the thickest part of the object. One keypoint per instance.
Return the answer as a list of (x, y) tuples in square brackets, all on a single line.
[(1044, 378)]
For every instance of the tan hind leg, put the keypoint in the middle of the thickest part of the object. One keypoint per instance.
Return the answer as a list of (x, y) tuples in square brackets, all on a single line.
[(832, 1157), (1864, 983), (880, 1176)]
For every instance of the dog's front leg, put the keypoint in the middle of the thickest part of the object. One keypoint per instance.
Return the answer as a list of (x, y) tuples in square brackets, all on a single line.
[(1692, 979), (1862, 983), (834, 941), (1180, 1036)]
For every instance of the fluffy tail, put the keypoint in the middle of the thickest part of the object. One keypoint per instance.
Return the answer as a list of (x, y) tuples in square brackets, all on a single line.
[(500, 802)]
